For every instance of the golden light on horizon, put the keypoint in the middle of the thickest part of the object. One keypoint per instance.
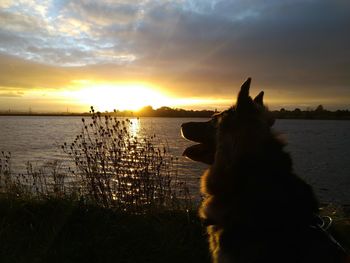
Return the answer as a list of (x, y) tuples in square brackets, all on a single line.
[(120, 96), (80, 94), (131, 96), (107, 96)]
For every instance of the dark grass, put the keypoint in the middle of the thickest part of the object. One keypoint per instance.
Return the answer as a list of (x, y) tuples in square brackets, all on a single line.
[(64, 231)]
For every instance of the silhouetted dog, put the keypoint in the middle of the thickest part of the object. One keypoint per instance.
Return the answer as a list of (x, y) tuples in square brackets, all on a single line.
[(255, 208)]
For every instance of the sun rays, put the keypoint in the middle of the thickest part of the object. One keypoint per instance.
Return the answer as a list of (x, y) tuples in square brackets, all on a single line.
[(130, 96), (120, 96)]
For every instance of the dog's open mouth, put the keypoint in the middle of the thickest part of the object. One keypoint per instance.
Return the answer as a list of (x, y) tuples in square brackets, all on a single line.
[(203, 133), (200, 153)]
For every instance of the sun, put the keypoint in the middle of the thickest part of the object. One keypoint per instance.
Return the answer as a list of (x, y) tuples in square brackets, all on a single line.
[(107, 97), (129, 96)]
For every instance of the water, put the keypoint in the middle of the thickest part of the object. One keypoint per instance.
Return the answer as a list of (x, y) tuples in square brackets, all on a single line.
[(320, 148)]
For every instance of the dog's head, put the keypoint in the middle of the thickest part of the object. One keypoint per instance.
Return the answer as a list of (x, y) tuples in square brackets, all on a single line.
[(247, 113)]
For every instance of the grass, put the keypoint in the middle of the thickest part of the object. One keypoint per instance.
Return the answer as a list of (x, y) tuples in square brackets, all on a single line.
[(57, 230)]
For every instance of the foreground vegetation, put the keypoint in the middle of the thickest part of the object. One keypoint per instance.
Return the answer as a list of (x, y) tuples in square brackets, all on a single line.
[(118, 200), (57, 230)]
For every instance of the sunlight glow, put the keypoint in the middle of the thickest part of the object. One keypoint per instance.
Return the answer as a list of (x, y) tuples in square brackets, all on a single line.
[(106, 97), (135, 126), (83, 93), (130, 96)]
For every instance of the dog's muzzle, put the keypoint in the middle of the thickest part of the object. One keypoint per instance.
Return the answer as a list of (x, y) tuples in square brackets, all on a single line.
[(203, 133)]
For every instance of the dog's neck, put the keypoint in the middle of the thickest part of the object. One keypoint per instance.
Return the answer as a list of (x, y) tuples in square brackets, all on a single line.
[(245, 175), (237, 160), (247, 147)]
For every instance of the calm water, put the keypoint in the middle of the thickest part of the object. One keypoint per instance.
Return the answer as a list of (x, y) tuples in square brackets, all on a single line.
[(320, 149)]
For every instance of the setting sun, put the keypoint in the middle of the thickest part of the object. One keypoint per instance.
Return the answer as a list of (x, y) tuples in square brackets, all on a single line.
[(107, 97), (130, 96)]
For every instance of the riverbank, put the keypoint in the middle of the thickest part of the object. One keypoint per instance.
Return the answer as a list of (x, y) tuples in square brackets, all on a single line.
[(58, 230), (61, 230), (166, 112)]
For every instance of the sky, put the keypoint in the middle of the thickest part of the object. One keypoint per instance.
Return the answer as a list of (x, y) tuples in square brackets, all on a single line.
[(60, 55)]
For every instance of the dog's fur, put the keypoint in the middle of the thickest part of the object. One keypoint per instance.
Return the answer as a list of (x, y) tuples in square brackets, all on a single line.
[(255, 208)]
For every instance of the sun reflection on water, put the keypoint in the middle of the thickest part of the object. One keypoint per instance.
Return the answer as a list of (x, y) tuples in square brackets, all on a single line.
[(135, 126)]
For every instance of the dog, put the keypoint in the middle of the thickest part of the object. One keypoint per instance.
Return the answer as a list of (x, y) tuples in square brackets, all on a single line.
[(254, 207)]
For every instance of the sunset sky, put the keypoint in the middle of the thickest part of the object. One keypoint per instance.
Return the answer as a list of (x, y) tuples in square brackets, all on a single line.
[(58, 54)]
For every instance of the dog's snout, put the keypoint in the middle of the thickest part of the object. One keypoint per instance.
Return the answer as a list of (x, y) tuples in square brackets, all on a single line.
[(184, 125), (189, 124), (201, 132), (186, 130)]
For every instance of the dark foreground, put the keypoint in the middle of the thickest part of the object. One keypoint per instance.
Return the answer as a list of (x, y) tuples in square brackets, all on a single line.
[(59, 231), (65, 231)]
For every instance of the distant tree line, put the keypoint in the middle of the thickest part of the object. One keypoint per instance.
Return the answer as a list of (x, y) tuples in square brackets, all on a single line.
[(148, 111), (319, 113)]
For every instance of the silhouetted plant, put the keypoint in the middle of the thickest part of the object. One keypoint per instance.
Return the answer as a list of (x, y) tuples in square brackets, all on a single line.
[(111, 167), (117, 169), (5, 170), (48, 179), (37, 181)]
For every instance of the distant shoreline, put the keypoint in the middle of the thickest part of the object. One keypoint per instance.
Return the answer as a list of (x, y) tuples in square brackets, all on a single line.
[(46, 114), (318, 114), (137, 116)]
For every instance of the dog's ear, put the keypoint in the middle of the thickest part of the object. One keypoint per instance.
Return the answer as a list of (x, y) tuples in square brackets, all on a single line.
[(244, 92), (244, 101), (259, 99)]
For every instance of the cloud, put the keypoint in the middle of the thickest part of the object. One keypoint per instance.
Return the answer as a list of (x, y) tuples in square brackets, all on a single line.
[(11, 94), (294, 48), (103, 13), (18, 23), (301, 48), (26, 74)]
